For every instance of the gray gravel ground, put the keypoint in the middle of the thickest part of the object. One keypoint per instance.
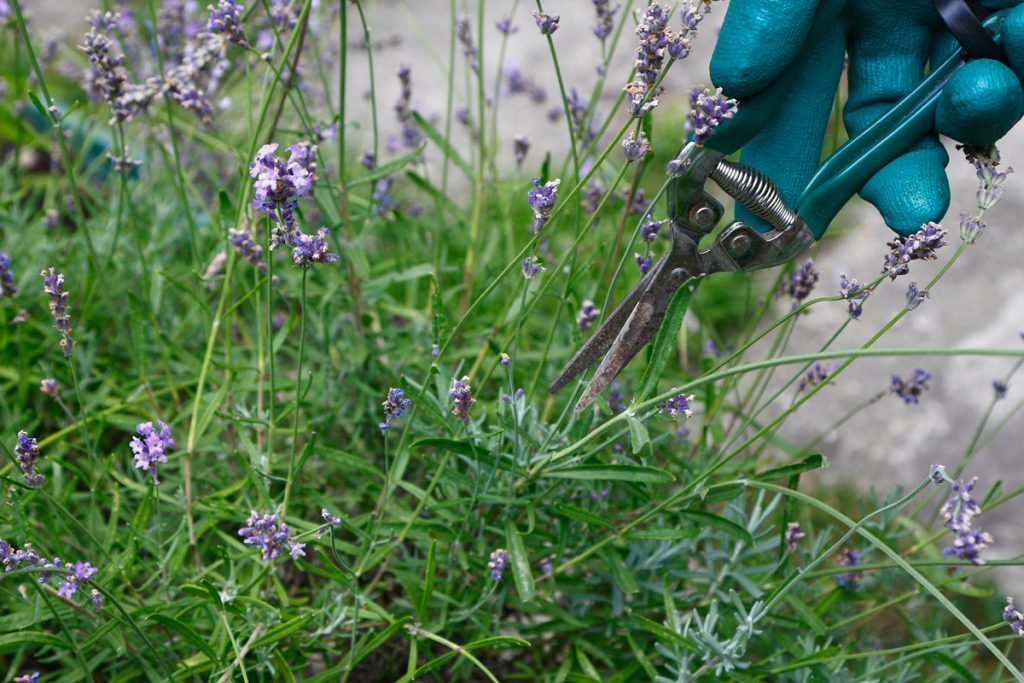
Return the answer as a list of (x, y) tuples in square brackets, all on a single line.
[(979, 304)]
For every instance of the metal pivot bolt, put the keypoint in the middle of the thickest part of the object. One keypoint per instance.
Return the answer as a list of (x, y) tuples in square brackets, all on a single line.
[(740, 244), (702, 216)]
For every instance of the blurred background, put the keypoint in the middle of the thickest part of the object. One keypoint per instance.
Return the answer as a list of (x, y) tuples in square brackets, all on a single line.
[(980, 303)]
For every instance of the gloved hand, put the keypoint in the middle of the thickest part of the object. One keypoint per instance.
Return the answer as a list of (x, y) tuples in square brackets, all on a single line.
[(889, 44)]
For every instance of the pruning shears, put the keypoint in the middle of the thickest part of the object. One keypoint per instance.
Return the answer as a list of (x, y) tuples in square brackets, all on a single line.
[(693, 213)]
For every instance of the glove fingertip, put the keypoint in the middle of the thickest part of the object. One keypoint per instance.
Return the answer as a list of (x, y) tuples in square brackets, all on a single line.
[(913, 189)]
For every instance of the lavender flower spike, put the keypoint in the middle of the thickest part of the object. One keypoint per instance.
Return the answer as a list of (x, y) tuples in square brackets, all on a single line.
[(310, 249), (635, 148), (920, 246), (677, 405), (644, 263), (461, 396), (520, 148), (800, 284), (854, 293), (794, 534), (910, 390), (499, 560), (27, 453), (394, 406), (1013, 617), (53, 285), (542, 199), (226, 18), (587, 315), (532, 267), (707, 111), (277, 187), (7, 287), (547, 23), (272, 538), (150, 447), (959, 511)]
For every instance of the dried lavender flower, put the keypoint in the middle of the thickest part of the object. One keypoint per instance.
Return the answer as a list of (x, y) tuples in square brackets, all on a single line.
[(676, 406), (910, 390), (53, 286), (310, 249), (547, 23), (26, 452), (707, 111), (971, 227), (641, 99), (990, 180), (226, 18), (271, 537), (7, 287), (644, 263), (499, 560), (799, 285), (532, 267), (394, 406), (542, 199), (816, 375), (520, 148), (794, 534), (150, 447), (920, 246), (461, 396), (587, 315), (277, 187), (635, 148), (854, 293), (959, 511), (605, 19), (915, 296), (1013, 617)]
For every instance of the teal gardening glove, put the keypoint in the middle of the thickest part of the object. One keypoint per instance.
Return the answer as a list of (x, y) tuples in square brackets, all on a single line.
[(889, 43)]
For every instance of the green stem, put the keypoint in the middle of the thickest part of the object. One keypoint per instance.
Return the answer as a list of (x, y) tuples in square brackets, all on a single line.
[(298, 396)]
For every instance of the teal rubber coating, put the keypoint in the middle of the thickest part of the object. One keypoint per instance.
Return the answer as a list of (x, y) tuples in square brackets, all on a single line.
[(755, 112), (845, 172)]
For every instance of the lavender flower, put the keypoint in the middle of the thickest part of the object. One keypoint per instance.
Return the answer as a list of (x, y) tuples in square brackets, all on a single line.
[(329, 518), (532, 267), (547, 23), (1000, 389), (7, 287), (600, 495), (245, 247), (516, 82), (542, 199), (464, 33), (52, 219), (649, 230), (920, 246), (707, 111), (277, 188), (676, 406), (520, 148), (710, 349), (587, 315), (461, 396), (971, 227), (641, 99), (690, 16), (34, 676), (546, 567), (368, 160), (271, 537), (644, 263), (226, 18), (990, 180), (638, 206), (799, 285), (49, 386), (959, 511), (53, 286), (499, 560), (27, 453), (635, 148), (849, 558), (394, 405), (1011, 616), (915, 296), (794, 534), (310, 249), (411, 134), (97, 599), (578, 106), (150, 447), (605, 19), (505, 26), (107, 79), (506, 360), (655, 37), (854, 293), (381, 197), (616, 400), (816, 375), (911, 389)]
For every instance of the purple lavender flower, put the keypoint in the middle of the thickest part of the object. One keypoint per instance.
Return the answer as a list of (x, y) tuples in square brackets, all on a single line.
[(107, 79), (150, 447), (27, 454), (1013, 617), (464, 33), (7, 287), (271, 537), (638, 206), (381, 197), (506, 360), (707, 111), (546, 567), (53, 286), (959, 511), (854, 293), (990, 179), (816, 375), (520, 148), (97, 599), (849, 558), (49, 386), (911, 389), (578, 106), (277, 188), (245, 247), (971, 227), (641, 99), (368, 160), (616, 400), (1000, 389), (542, 199), (644, 263), (655, 37), (532, 267), (799, 285), (226, 18), (587, 315), (499, 560), (516, 82), (920, 246), (52, 219), (649, 230), (676, 406), (34, 676), (329, 518), (915, 296), (794, 534), (394, 405), (80, 573), (601, 495), (547, 23), (411, 135), (635, 148), (710, 349), (505, 26), (310, 249), (605, 19), (461, 396)]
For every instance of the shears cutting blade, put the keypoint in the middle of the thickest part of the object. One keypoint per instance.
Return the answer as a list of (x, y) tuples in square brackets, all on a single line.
[(693, 213)]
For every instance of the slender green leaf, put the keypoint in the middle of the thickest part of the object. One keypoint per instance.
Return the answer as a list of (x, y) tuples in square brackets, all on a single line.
[(665, 342), (578, 513), (639, 438), (188, 633), (633, 473), (428, 581), (435, 136), (284, 630), (816, 461), (390, 168), (520, 563), (714, 521)]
